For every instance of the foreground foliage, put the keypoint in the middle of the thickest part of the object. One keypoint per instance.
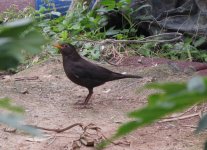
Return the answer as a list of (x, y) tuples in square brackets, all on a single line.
[(172, 97), (17, 40)]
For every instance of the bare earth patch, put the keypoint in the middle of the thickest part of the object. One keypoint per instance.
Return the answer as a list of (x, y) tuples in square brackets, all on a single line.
[(49, 102)]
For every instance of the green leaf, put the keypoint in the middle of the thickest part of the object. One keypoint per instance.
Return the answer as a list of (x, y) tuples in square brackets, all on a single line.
[(76, 26), (200, 41), (110, 4), (8, 61), (32, 42), (5, 103), (64, 35), (127, 127), (197, 84), (175, 97), (15, 121), (16, 28), (102, 10), (153, 98), (16, 40), (167, 87), (202, 125), (111, 31)]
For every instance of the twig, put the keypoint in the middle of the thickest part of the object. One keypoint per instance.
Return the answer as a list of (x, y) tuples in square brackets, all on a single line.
[(181, 114), (177, 37), (98, 131), (58, 130), (115, 143), (190, 126), (52, 140), (89, 126), (179, 118), (26, 78)]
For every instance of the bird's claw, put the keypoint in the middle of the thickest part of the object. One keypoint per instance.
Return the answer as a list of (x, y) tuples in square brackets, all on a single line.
[(79, 103), (84, 107)]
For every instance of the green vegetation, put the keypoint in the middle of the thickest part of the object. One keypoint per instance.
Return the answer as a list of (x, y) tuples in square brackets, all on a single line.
[(18, 39), (81, 24)]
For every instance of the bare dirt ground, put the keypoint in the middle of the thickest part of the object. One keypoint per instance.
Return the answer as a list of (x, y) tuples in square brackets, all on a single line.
[(49, 102)]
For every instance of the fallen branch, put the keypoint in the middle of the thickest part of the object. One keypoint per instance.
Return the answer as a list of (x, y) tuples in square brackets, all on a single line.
[(86, 138), (179, 118), (58, 130), (99, 135), (181, 114), (190, 126), (177, 36)]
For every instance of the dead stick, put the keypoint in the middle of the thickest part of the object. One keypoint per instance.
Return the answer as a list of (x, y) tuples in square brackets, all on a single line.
[(26, 78), (179, 115), (179, 118), (177, 36), (58, 130), (190, 126)]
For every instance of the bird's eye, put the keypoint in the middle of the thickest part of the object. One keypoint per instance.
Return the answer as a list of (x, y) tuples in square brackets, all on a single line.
[(65, 45)]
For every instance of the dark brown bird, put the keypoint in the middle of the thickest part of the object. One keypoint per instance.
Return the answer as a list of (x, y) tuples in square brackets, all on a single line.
[(85, 73)]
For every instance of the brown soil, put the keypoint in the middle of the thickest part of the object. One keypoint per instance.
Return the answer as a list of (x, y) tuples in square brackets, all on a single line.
[(49, 102)]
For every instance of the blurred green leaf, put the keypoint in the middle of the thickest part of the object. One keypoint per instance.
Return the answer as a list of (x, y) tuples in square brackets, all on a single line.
[(16, 40), (5, 103), (32, 42), (112, 31), (15, 121), (110, 4), (168, 88), (16, 28), (64, 35), (8, 61), (174, 97), (197, 84), (202, 125), (200, 41)]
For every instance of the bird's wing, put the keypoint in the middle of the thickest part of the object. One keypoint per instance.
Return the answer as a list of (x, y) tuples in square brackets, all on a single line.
[(90, 71)]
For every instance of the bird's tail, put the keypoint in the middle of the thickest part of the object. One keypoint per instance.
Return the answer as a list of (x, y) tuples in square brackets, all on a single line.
[(117, 76)]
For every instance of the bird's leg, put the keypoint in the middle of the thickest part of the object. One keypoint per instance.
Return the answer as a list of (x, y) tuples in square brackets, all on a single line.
[(88, 96)]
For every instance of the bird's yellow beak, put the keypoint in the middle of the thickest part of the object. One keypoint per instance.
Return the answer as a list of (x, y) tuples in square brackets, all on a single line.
[(58, 46)]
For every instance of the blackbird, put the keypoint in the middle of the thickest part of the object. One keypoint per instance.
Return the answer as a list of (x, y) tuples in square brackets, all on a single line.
[(85, 73)]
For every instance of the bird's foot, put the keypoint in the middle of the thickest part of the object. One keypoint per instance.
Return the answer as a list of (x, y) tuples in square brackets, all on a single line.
[(82, 106), (80, 103)]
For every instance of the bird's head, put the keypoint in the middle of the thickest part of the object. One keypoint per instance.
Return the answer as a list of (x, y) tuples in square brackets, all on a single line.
[(66, 49)]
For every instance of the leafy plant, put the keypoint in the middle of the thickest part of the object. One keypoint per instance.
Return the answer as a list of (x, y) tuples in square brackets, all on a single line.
[(183, 51), (174, 97), (178, 51), (13, 13), (17, 39), (91, 51)]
